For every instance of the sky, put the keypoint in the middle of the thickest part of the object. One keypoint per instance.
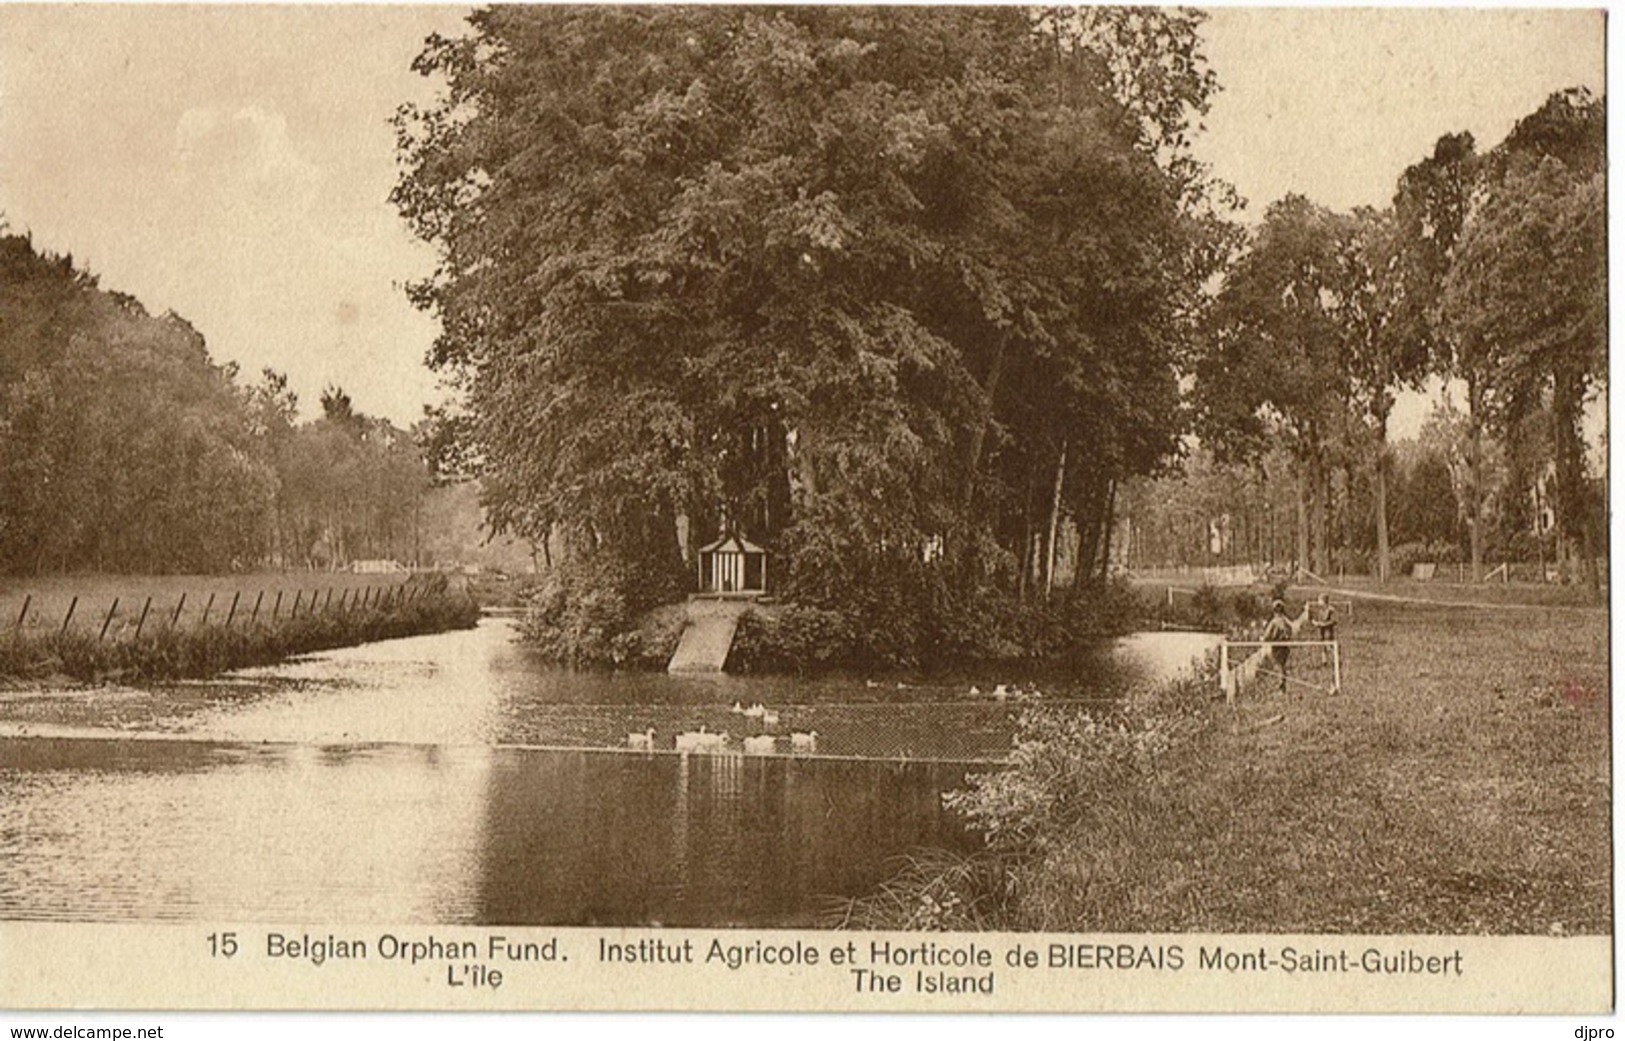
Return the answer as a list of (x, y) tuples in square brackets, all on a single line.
[(234, 163)]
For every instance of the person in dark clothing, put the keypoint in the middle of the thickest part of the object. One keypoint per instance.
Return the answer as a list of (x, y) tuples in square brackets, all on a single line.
[(1279, 628)]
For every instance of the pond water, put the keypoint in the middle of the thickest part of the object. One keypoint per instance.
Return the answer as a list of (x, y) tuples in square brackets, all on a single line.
[(455, 778)]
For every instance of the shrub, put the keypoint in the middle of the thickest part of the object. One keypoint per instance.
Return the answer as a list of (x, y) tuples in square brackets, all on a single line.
[(1206, 604), (937, 890), (1065, 765), (793, 639), (652, 641), (1067, 780), (940, 629), (1402, 557), (591, 610), (1247, 606)]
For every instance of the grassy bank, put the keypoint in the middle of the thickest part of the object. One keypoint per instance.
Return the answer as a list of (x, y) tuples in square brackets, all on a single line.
[(1459, 783), (160, 649), (183, 601)]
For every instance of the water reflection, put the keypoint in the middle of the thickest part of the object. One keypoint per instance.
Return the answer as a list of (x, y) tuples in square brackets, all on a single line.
[(102, 830), (381, 783), (1169, 654)]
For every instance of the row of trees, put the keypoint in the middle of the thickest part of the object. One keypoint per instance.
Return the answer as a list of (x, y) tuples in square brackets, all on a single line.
[(124, 447), (891, 291), (1213, 513), (1488, 269)]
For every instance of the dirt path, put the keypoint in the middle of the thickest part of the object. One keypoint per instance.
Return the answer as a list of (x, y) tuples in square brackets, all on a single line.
[(1310, 592)]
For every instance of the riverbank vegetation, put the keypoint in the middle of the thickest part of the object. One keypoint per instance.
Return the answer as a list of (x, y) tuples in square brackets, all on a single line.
[(1458, 784), (167, 650), (905, 633)]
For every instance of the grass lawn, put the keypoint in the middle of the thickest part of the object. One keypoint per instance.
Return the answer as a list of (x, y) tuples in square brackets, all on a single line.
[(48, 598), (1459, 783)]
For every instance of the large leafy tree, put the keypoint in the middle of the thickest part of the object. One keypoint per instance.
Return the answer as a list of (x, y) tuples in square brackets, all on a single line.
[(122, 445), (1431, 203), (856, 281), (1527, 294), (1277, 367)]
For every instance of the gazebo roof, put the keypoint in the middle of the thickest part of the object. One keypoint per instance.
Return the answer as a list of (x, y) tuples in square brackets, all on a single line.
[(732, 544)]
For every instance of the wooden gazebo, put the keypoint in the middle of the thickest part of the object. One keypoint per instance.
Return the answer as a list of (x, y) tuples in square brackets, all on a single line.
[(732, 564)]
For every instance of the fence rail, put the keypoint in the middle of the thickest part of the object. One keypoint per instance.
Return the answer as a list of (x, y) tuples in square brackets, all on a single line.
[(127, 617)]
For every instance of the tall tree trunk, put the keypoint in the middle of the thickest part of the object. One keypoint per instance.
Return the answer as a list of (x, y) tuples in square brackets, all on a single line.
[(1089, 522), (1379, 484), (1321, 510), (1345, 512), (1569, 448), (1054, 522), (1475, 471), (1303, 522), (1026, 555), (978, 437), (1269, 518), (1108, 522)]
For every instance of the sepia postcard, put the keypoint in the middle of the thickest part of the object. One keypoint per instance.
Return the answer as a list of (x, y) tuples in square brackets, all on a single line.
[(655, 508)]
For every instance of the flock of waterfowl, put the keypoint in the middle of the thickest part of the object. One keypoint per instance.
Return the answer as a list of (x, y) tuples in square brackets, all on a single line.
[(704, 740), (713, 742), (1009, 692)]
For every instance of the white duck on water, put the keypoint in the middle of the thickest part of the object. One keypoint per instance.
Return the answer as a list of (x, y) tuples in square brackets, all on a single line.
[(701, 740)]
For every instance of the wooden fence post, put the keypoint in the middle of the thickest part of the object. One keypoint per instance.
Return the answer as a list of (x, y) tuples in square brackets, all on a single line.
[(29, 599), (276, 607), (344, 594), (143, 619), (233, 612), (293, 612), (69, 616), (206, 609), (328, 602), (175, 618), (108, 620), (256, 615)]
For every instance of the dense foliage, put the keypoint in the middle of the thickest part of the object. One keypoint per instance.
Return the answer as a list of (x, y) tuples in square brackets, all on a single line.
[(1068, 786), (125, 447), (891, 291)]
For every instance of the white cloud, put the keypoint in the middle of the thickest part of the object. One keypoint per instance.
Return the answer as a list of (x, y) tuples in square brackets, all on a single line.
[(249, 146)]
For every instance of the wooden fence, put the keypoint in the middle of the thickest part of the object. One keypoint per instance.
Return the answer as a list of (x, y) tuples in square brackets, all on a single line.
[(128, 618)]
